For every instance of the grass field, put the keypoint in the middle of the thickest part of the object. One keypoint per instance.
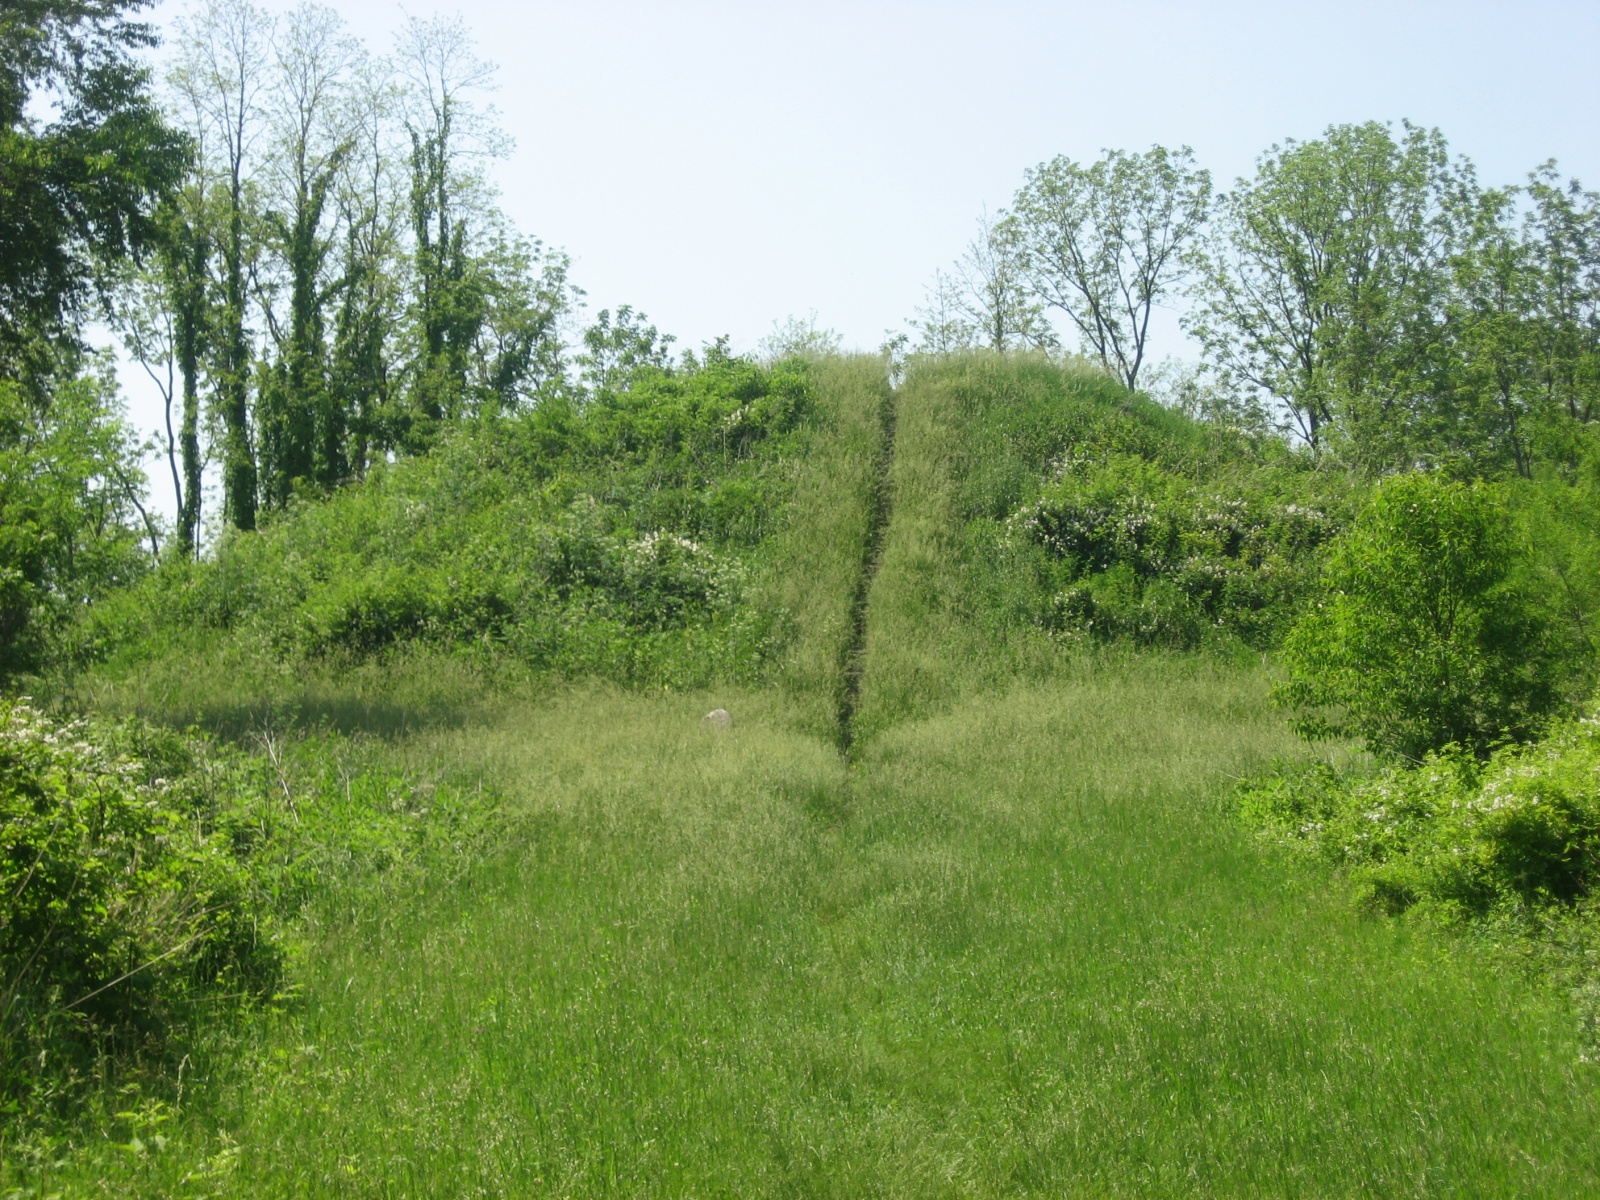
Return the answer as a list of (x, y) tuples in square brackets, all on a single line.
[(1017, 945), (1019, 950)]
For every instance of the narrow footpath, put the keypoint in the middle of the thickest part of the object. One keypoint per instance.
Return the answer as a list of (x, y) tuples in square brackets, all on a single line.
[(881, 511)]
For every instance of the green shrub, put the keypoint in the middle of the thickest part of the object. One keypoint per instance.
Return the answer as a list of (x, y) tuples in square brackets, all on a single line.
[(1428, 632), (120, 901), (1521, 830)]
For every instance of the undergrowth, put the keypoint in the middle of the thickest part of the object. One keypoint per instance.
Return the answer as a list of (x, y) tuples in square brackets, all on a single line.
[(617, 537), (158, 886), (1505, 850)]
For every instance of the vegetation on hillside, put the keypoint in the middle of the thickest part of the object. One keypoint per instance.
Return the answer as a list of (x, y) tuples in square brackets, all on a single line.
[(619, 537), (156, 881), (1017, 943), (1376, 500)]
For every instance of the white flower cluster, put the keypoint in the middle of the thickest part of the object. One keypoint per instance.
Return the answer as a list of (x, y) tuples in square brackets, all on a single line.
[(653, 545)]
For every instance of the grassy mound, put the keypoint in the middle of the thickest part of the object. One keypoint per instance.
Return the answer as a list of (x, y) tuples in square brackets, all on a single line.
[(618, 538), (1039, 506), (1013, 941)]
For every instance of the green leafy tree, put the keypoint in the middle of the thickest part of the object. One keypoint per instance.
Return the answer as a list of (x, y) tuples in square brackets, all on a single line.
[(449, 301), (85, 163), (447, 134), (1324, 280), (70, 512), (1428, 633), (373, 270), (1104, 243), (1492, 328), (519, 353), (1566, 223), (614, 350), (78, 192), (165, 316), (221, 76), (302, 421)]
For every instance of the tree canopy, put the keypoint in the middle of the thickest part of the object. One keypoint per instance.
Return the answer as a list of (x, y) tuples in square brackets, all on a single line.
[(79, 189)]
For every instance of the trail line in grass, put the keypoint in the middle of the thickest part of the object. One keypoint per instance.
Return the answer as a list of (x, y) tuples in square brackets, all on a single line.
[(880, 512)]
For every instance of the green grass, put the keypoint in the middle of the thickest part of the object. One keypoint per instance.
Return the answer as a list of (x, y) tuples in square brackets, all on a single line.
[(231, 689), (1021, 950), (976, 436), (817, 557), (1020, 946)]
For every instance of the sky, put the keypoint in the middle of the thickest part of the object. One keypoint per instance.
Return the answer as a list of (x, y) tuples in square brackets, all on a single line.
[(722, 166)]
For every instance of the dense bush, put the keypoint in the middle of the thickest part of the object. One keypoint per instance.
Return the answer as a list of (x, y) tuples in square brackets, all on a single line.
[(1521, 829), (120, 897), (1430, 630), (68, 473), (1140, 551), (148, 877)]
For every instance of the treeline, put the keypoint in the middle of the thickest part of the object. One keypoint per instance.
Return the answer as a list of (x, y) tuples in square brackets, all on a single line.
[(333, 278), (1362, 292), (297, 240)]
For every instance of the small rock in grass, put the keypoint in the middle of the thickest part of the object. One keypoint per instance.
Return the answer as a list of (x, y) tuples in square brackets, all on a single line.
[(718, 718)]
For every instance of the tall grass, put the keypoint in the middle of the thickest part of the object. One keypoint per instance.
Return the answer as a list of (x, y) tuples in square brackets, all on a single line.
[(1016, 951), (976, 437), (817, 559), (232, 688)]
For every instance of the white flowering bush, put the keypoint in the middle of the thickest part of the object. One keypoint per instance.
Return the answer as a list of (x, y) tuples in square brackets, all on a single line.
[(150, 880), (119, 901), (1136, 550), (1520, 830)]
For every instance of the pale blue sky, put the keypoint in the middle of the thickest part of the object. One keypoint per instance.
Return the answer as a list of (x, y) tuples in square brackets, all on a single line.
[(723, 165)]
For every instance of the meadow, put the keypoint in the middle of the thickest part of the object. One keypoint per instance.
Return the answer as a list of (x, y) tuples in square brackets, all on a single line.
[(1005, 935), (535, 758)]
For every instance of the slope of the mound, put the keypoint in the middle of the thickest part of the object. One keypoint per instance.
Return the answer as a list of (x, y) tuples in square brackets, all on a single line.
[(616, 537)]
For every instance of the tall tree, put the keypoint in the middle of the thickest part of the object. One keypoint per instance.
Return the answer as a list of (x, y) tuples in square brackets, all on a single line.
[(1565, 223), (301, 419), (187, 257), (373, 268), (1491, 399), (1324, 281), (487, 304), (1104, 243), (85, 162), (222, 74), (78, 191), (448, 138), (985, 299), (165, 317)]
